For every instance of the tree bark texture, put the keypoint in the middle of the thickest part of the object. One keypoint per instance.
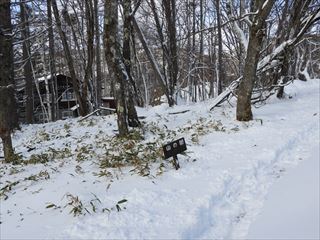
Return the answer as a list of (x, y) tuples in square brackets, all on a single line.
[(88, 76), (52, 65), (115, 65), (256, 36), (133, 120), (8, 106)]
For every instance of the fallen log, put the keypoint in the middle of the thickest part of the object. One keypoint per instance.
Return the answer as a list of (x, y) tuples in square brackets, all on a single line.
[(226, 93), (173, 113)]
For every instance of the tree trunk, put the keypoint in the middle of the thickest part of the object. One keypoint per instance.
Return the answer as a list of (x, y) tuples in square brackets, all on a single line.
[(115, 64), (133, 120), (244, 112), (88, 76), (98, 55), (167, 52), (220, 69), (193, 78), (8, 106), (27, 61), (151, 58), (201, 52), (284, 72), (52, 65), (299, 8), (7, 147), (170, 15), (189, 50)]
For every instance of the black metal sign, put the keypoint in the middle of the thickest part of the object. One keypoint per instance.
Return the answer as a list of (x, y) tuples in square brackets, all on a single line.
[(173, 149)]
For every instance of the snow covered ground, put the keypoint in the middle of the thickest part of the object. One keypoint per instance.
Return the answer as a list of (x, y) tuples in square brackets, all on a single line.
[(292, 209), (231, 178)]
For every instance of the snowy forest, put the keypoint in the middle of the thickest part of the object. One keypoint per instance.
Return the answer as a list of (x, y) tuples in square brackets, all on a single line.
[(138, 51), (98, 87)]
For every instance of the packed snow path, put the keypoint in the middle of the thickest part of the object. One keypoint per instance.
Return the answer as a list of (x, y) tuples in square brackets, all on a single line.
[(216, 194), (292, 212)]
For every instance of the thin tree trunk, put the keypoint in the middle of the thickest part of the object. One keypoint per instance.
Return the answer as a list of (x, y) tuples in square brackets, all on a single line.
[(166, 51), (88, 76), (212, 61), (201, 51), (133, 120), (189, 50), (220, 69), (170, 14), (98, 55), (193, 79), (151, 57), (27, 61), (52, 65)]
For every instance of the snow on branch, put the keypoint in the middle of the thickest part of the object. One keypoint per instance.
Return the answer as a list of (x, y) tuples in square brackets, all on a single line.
[(269, 58), (226, 93), (307, 22), (238, 31), (241, 35), (265, 5), (7, 87)]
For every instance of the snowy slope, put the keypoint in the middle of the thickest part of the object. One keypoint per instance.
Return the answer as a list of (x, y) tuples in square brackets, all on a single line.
[(219, 191)]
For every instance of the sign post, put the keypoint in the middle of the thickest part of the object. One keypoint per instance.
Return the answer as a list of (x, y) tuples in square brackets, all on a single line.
[(173, 149)]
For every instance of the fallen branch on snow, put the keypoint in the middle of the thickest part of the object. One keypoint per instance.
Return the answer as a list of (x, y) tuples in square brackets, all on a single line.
[(173, 113), (226, 93), (96, 111)]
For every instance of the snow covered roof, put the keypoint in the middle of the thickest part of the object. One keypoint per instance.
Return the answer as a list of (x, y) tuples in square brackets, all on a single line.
[(20, 83), (107, 98)]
